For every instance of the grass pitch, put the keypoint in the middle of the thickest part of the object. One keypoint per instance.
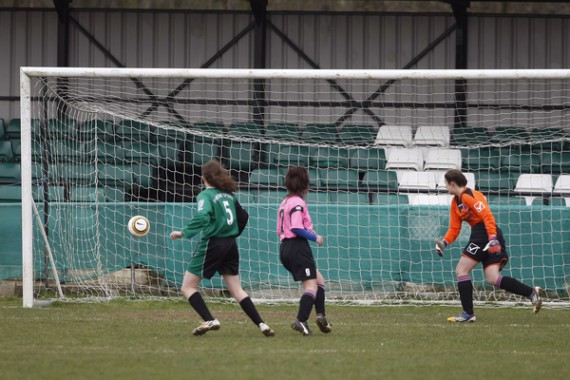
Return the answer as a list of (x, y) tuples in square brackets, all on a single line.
[(153, 340)]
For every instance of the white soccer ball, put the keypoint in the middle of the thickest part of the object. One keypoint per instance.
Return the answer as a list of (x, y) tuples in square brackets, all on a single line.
[(139, 226)]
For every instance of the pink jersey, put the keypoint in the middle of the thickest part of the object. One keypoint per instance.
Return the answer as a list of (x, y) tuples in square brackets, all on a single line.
[(293, 213)]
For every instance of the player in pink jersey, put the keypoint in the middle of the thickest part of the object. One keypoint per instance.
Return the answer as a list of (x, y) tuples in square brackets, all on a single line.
[(295, 229)]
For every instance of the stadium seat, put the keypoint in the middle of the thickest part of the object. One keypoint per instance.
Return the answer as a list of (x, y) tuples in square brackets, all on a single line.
[(346, 198), (240, 155), (87, 194), (412, 180), (404, 159), (106, 152), (283, 132), (503, 200), (141, 153), (201, 150), (13, 130), (515, 159), (562, 185), (10, 193), (274, 197), (318, 197), (115, 175), (2, 129), (210, 127), (488, 182), (355, 134), (287, 155), (143, 175), (169, 134), (466, 136), (9, 172), (430, 199), (328, 157), (431, 136), (366, 159), (480, 159), (114, 194), (135, 131), (534, 183), (547, 139), (267, 177), (318, 133), (6, 153), (399, 135), (440, 177), (246, 196), (332, 179), (443, 159), (507, 134), (564, 202), (389, 199), (55, 193), (68, 151), (169, 151), (380, 180), (73, 173), (62, 128), (96, 130), (555, 162)]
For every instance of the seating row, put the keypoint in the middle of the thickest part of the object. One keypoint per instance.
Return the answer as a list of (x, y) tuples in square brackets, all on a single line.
[(353, 134)]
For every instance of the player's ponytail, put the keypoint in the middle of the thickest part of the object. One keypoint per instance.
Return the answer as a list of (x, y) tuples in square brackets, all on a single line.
[(218, 176)]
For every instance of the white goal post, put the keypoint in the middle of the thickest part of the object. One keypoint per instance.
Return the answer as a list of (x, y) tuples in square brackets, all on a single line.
[(376, 143)]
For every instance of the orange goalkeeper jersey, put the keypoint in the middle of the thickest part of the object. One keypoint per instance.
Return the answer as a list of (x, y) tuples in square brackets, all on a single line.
[(472, 207)]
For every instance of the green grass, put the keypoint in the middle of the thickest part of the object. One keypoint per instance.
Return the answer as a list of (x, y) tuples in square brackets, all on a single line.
[(153, 340)]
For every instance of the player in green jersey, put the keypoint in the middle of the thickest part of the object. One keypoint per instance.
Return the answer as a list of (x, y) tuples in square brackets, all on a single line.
[(221, 219)]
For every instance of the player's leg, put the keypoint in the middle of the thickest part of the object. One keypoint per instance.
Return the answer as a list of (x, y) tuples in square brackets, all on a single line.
[(233, 283), (305, 305), (321, 320), (190, 291), (493, 276), (465, 287)]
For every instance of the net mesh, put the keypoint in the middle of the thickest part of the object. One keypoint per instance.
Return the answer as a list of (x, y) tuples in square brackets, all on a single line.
[(106, 149)]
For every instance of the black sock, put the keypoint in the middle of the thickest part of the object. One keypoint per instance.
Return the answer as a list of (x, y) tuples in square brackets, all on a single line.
[(305, 305), (515, 286), (249, 308), (197, 302), (465, 287), (320, 300)]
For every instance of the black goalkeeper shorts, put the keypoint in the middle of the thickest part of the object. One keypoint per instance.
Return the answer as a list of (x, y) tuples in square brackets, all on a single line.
[(478, 240)]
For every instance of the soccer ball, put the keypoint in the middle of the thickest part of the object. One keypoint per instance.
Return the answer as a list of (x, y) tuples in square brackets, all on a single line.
[(139, 226)]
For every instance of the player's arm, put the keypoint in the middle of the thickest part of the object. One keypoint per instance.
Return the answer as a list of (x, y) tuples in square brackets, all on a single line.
[(200, 220), (453, 231), (242, 217)]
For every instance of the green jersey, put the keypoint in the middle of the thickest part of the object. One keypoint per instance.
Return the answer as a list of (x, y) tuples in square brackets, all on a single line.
[(217, 216)]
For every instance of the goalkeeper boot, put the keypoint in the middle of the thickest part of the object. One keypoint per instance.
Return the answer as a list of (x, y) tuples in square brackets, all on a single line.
[(206, 326), (266, 330), (464, 317), (302, 327), (323, 324), (536, 299)]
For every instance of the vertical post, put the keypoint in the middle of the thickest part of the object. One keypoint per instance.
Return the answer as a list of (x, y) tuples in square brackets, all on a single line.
[(259, 9), (26, 168), (460, 13), (62, 8)]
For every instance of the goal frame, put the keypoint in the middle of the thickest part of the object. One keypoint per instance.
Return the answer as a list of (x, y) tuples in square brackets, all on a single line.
[(26, 73)]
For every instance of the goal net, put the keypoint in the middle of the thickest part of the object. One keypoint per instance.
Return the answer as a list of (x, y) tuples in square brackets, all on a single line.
[(99, 146)]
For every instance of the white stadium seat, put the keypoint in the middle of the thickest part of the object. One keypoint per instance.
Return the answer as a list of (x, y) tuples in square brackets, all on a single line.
[(412, 180), (430, 199), (534, 183), (404, 159), (562, 184), (398, 135), (443, 159), (432, 136)]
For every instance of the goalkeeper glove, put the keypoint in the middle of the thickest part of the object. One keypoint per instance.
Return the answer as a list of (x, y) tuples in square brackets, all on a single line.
[(440, 246), (493, 246)]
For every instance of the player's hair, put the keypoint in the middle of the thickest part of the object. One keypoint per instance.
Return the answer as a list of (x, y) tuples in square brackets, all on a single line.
[(456, 176), (297, 180), (218, 176)]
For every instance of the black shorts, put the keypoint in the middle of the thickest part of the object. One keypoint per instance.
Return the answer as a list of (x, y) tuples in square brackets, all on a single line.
[(215, 255), (296, 256), (478, 240)]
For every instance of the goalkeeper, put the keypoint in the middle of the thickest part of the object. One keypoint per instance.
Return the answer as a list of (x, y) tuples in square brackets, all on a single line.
[(221, 219), (486, 245)]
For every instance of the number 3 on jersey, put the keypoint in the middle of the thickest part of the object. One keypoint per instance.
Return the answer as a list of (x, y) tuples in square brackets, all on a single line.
[(230, 217)]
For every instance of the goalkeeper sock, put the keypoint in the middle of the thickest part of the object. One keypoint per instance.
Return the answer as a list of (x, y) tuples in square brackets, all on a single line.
[(249, 308), (198, 304), (514, 286), (465, 287), (320, 299), (305, 305)]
